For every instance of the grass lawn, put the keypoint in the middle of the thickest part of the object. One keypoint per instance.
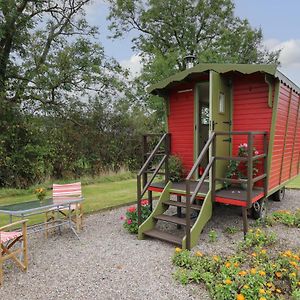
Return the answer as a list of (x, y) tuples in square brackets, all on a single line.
[(295, 184), (97, 196)]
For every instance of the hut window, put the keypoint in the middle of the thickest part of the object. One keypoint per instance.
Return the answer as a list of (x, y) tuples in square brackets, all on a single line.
[(221, 103), (204, 115)]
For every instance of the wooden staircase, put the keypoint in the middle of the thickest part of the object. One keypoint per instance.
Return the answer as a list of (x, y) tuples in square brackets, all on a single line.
[(161, 213), (192, 227)]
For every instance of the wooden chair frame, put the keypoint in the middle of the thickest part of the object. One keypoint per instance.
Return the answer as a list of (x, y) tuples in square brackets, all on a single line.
[(76, 217), (76, 214), (7, 253)]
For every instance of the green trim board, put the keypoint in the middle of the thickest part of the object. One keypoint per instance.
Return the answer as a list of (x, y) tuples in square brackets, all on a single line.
[(159, 209), (197, 119), (219, 121), (202, 219), (273, 126), (270, 69), (295, 134), (231, 112), (288, 119), (167, 112), (196, 122), (269, 81)]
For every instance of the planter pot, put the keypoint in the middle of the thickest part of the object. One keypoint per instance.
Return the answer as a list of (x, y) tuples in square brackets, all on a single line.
[(245, 185)]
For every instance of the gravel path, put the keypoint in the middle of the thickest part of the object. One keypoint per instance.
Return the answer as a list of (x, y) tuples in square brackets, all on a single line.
[(108, 263)]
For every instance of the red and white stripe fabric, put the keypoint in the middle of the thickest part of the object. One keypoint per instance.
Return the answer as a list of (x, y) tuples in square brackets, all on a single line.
[(7, 236), (69, 191)]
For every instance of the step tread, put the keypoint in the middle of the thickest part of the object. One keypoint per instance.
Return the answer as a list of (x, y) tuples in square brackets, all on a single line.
[(182, 204), (165, 236), (173, 219)]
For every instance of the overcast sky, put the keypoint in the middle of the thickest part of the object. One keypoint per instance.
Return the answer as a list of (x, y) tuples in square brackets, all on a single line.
[(279, 20)]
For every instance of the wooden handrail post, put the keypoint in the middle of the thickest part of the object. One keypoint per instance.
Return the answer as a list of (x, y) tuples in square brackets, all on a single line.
[(139, 196), (266, 180), (213, 171), (145, 150), (188, 216), (250, 169), (167, 152)]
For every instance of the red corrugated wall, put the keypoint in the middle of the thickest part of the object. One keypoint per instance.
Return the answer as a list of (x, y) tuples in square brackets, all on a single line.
[(181, 125), (287, 138), (250, 108), (296, 151)]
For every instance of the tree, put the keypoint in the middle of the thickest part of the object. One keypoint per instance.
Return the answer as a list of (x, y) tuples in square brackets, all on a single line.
[(51, 65), (207, 29), (167, 31), (49, 55)]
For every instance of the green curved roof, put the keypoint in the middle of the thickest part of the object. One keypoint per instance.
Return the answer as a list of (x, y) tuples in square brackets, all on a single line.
[(270, 69)]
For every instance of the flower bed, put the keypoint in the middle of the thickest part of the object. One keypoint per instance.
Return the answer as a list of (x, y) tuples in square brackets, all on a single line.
[(131, 218), (253, 272)]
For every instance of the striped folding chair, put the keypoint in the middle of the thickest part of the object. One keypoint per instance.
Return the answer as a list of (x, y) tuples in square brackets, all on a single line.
[(9, 242), (60, 193)]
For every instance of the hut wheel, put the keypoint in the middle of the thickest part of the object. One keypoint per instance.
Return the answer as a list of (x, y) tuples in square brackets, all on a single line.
[(259, 209), (279, 195)]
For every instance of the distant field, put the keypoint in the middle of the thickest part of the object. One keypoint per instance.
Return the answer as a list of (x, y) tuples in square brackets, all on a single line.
[(110, 191), (295, 184), (97, 196)]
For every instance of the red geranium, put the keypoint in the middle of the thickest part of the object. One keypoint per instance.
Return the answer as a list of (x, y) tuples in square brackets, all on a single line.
[(132, 209), (144, 202)]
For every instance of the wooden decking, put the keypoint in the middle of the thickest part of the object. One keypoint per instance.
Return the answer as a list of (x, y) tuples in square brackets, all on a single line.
[(232, 195)]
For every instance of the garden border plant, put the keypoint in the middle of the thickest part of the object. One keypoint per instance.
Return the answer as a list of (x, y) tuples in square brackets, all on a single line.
[(253, 272), (131, 217)]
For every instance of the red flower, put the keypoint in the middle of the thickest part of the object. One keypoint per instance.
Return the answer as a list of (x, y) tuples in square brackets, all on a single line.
[(144, 202), (129, 221), (122, 218), (131, 209)]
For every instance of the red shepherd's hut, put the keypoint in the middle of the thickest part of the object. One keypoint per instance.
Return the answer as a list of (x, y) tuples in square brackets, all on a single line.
[(240, 126)]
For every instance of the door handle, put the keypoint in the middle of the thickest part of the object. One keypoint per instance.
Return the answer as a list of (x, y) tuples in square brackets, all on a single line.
[(227, 122), (213, 123)]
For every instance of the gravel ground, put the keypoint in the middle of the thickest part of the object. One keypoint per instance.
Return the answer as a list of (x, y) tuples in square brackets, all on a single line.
[(108, 263)]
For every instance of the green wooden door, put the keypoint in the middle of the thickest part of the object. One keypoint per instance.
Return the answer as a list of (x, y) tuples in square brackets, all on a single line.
[(220, 117)]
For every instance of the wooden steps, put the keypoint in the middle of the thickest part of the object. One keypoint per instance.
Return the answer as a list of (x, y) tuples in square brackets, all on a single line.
[(173, 219), (182, 204), (164, 236)]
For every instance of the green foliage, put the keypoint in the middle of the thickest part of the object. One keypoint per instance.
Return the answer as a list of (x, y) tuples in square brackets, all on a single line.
[(131, 219), (176, 168), (238, 169), (40, 193), (169, 30), (287, 218), (59, 116), (213, 236), (257, 238), (24, 150), (231, 230), (253, 273), (296, 294)]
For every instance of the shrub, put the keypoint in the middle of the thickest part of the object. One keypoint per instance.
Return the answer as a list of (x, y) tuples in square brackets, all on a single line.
[(131, 219), (212, 236), (257, 238), (176, 169), (287, 218), (257, 275)]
